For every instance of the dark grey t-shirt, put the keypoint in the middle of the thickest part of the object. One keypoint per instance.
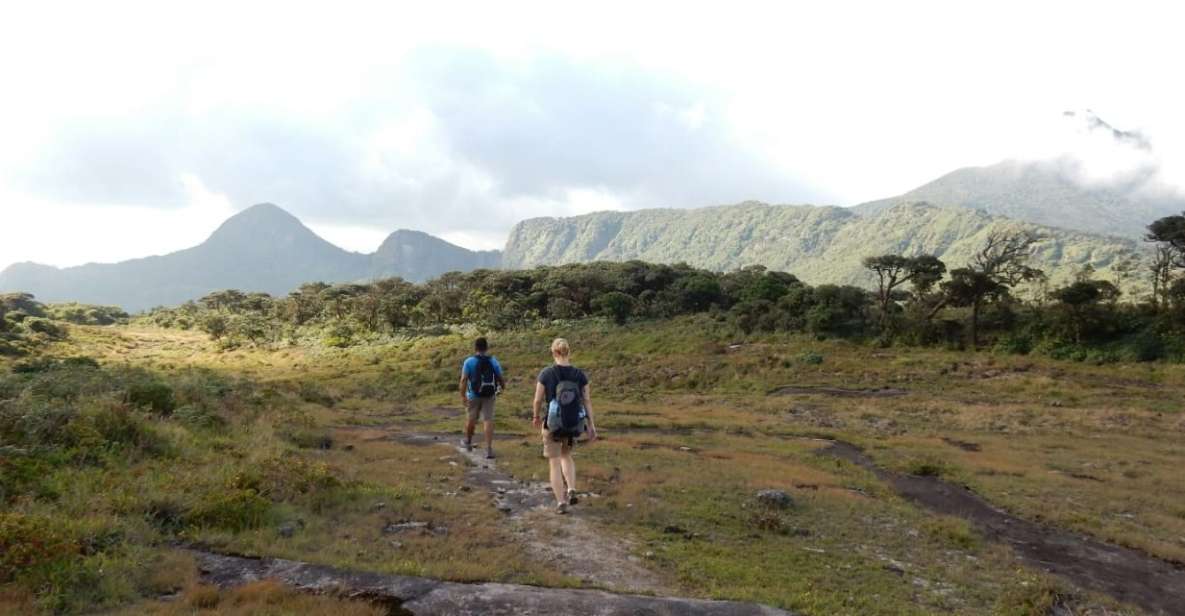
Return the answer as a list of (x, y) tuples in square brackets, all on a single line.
[(552, 375)]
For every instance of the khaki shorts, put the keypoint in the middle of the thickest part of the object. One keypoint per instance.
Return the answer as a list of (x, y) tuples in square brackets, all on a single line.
[(481, 407), (553, 448)]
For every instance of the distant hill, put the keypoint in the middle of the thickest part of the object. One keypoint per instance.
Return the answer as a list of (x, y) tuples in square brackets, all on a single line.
[(418, 256), (1045, 193), (818, 244), (262, 248)]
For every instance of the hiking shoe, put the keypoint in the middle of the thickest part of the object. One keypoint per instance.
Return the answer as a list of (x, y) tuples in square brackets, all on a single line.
[(561, 508), (572, 498), (490, 454), (468, 445)]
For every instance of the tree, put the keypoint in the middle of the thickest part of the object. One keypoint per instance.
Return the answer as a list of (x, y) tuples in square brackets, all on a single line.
[(971, 288), (1170, 231), (215, 325), (1001, 264), (1005, 255), (1168, 234), (1081, 300), (892, 271), (616, 305)]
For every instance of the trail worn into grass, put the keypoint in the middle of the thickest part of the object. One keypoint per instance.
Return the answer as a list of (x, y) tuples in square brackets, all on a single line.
[(841, 392), (1127, 575), (571, 543), (417, 596)]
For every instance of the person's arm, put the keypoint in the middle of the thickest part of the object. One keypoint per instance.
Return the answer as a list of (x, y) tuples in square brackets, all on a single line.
[(537, 406), (592, 425), (498, 376), (464, 387)]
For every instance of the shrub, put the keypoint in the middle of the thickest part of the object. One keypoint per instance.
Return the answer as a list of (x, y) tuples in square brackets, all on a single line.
[(1016, 344), (151, 394), (45, 327), (231, 509), (27, 542), (198, 417), (811, 358)]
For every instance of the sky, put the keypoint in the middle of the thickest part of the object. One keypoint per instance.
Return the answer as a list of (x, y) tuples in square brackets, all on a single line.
[(129, 129)]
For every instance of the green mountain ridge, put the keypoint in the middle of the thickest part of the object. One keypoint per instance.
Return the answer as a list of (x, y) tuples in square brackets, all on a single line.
[(818, 244)]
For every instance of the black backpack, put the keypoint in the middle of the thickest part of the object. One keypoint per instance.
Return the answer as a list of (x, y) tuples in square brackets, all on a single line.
[(566, 417), (483, 380)]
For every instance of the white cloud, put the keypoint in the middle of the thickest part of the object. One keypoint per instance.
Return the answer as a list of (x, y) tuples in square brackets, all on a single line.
[(461, 118)]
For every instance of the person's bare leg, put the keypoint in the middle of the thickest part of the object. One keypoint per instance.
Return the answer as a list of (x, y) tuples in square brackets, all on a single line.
[(489, 426), (470, 425), (557, 481), (568, 466)]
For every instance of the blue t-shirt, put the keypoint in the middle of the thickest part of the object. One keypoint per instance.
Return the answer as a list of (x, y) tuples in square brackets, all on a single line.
[(470, 367)]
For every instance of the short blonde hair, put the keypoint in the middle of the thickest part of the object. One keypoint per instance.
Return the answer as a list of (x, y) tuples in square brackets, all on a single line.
[(560, 347)]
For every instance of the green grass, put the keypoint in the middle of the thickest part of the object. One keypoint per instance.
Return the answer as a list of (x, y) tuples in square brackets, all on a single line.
[(173, 439)]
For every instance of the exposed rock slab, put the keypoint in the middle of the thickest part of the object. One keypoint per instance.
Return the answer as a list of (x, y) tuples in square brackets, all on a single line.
[(425, 597), (1123, 573)]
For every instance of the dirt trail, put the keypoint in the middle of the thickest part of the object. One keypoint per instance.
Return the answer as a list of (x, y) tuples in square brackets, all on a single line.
[(404, 595), (1123, 573), (572, 543)]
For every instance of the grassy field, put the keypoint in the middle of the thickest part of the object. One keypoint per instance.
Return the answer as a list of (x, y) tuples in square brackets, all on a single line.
[(295, 451)]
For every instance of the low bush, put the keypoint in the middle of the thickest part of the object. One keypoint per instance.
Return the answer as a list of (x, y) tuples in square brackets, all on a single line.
[(230, 509)]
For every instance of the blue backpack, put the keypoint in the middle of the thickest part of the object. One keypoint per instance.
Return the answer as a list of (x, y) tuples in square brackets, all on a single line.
[(483, 381), (566, 417)]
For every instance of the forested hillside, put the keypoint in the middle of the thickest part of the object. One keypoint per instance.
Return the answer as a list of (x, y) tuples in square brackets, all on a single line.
[(818, 244)]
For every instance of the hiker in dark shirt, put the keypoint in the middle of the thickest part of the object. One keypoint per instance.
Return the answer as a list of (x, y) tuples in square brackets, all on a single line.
[(566, 384)]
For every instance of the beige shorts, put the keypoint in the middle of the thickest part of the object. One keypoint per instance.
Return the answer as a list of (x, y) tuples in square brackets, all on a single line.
[(481, 407), (553, 448)]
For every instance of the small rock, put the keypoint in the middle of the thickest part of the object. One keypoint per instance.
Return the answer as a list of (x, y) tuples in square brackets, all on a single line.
[(774, 498), (406, 525), (684, 449), (396, 544), (287, 529), (674, 529), (465, 488), (379, 506)]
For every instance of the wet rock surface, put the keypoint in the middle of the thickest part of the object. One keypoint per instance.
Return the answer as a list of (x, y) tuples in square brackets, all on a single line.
[(424, 597), (1123, 573)]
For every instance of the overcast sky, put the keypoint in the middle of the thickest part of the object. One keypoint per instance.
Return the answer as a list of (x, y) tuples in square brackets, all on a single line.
[(134, 129)]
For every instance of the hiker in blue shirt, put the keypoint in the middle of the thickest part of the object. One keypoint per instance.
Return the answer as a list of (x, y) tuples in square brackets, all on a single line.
[(481, 382)]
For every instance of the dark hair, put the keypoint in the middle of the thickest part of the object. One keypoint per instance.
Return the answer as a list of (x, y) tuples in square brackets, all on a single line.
[(480, 345)]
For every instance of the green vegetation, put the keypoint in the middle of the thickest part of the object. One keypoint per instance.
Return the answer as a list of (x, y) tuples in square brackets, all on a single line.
[(915, 303), (121, 440), (272, 426), (819, 245)]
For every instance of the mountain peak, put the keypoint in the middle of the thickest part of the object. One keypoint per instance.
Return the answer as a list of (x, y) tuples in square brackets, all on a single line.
[(260, 222), (264, 212)]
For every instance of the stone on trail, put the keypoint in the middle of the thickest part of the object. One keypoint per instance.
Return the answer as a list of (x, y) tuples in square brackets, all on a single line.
[(776, 499)]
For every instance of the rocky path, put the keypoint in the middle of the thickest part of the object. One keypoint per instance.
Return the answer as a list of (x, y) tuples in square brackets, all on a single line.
[(1123, 573), (572, 543), (405, 595)]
